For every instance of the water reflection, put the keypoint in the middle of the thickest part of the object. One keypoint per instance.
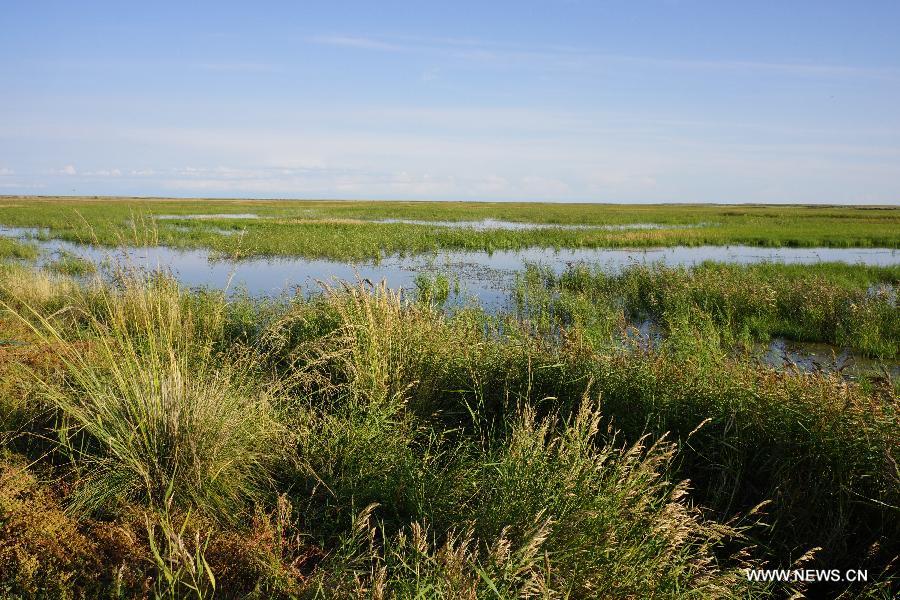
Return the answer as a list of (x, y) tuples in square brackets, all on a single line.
[(482, 275), (816, 357), (201, 217), (485, 278), (494, 224)]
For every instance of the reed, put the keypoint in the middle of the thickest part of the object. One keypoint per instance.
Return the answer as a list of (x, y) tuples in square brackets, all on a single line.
[(365, 444), (846, 306), (10, 248), (146, 410)]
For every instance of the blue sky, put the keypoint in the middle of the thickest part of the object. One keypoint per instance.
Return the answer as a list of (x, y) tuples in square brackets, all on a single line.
[(639, 101)]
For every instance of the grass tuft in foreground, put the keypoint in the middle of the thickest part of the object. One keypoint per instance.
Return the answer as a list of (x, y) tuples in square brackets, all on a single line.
[(145, 410)]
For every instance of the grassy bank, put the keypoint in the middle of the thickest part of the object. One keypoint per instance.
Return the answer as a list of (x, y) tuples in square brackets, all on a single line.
[(161, 443), (344, 229)]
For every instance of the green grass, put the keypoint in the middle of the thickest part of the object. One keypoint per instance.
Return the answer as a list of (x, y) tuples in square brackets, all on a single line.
[(360, 445), (69, 264), (10, 248), (343, 229), (848, 306), (167, 443), (154, 418)]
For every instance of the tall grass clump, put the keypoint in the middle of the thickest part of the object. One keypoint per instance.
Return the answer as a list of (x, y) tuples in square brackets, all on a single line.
[(821, 451), (147, 411), (551, 511), (496, 510), (10, 248), (614, 523), (70, 264), (435, 289), (377, 346), (20, 285), (369, 392)]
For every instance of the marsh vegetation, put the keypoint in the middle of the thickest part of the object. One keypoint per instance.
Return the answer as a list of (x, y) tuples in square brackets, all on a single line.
[(366, 442), (346, 230)]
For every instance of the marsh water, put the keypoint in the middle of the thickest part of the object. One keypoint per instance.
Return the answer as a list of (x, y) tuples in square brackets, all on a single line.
[(493, 224), (481, 225), (201, 217), (482, 277), (809, 356)]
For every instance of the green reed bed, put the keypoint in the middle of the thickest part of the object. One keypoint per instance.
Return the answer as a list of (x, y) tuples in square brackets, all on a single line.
[(847, 306), (169, 444), (70, 264), (345, 230), (808, 444), (14, 249)]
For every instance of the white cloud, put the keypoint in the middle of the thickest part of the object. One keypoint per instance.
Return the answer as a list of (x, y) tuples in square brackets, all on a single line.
[(68, 170), (5, 172)]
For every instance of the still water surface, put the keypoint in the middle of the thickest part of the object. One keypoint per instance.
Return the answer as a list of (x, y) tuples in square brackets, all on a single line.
[(478, 276), (482, 276)]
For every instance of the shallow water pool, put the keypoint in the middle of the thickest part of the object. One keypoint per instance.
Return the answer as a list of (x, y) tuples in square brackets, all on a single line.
[(484, 276)]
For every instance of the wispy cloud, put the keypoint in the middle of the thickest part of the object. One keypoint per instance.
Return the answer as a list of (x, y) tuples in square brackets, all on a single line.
[(796, 68), (103, 173), (350, 41), (238, 67), (431, 74), (19, 186), (359, 183), (113, 64), (568, 57)]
